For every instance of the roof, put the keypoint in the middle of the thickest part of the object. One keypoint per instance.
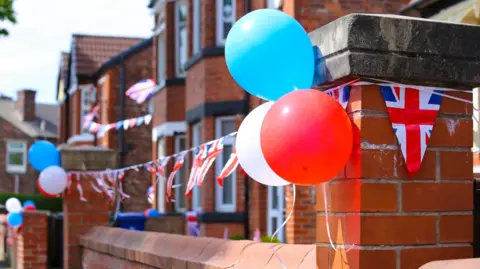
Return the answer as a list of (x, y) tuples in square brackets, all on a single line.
[(125, 54), (90, 52), (46, 113)]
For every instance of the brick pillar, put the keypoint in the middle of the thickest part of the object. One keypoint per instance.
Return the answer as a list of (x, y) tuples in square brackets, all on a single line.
[(31, 241), (78, 216), (395, 222)]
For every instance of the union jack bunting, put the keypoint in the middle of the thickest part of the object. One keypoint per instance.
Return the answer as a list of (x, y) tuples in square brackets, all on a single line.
[(178, 164), (161, 164), (88, 118), (412, 112), (200, 156), (212, 153), (142, 90), (229, 167), (341, 94)]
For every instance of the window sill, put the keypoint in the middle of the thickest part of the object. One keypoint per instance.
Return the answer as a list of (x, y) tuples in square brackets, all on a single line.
[(16, 170)]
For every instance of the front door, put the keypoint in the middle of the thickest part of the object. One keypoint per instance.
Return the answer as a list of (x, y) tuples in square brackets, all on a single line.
[(276, 211)]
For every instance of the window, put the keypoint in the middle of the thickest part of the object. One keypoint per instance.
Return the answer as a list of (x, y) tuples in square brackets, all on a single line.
[(181, 37), (225, 19), (161, 57), (276, 4), (88, 94), (180, 176), (16, 159), (225, 197), (161, 181), (196, 141), (197, 26)]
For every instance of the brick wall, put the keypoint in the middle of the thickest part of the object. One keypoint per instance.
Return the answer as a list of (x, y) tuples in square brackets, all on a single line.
[(138, 138), (403, 223), (31, 241)]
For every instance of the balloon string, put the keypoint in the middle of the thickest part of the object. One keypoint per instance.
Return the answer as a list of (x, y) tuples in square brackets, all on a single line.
[(282, 226), (327, 223)]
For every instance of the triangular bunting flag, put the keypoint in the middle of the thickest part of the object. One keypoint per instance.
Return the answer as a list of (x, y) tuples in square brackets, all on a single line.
[(412, 112)]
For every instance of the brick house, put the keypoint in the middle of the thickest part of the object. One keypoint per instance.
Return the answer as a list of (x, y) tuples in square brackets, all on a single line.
[(199, 101), (98, 72), (22, 122)]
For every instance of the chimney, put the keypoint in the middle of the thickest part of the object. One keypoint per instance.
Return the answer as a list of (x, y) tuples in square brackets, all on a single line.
[(25, 104)]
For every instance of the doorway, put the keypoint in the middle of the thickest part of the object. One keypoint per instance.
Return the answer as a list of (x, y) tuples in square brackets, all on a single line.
[(276, 211)]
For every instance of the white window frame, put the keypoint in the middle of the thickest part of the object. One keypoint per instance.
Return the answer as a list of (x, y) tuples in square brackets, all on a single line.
[(178, 194), (197, 26), (161, 181), (196, 141), (179, 71), (219, 21), (17, 169), (161, 56), (84, 92), (219, 205)]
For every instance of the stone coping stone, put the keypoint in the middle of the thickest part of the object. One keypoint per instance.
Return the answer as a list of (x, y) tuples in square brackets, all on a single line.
[(174, 251), (399, 49)]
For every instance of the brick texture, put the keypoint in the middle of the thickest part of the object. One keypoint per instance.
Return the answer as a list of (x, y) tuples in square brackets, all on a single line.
[(418, 217), (138, 138), (31, 241)]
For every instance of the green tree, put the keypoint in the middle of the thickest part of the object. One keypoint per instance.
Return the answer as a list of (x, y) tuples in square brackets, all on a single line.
[(6, 14)]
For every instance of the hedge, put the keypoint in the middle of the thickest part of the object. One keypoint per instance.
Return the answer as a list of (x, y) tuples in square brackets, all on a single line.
[(41, 202)]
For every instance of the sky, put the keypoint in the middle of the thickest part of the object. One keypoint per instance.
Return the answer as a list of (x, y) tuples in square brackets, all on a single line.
[(30, 55)]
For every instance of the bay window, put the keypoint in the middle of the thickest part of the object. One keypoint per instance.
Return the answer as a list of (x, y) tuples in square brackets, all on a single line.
[(225, 197), (181, 45), (160, 195), (226, 17), (180, 176), (196, 192)]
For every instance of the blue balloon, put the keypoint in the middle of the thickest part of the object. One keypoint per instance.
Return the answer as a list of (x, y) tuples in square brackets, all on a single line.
[(269, 54), (15, 219), (28, 203), (43, 154), (153, 213)]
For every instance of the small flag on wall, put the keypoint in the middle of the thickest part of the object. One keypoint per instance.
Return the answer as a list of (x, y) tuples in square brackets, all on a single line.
[(341, 94), (412, 112)]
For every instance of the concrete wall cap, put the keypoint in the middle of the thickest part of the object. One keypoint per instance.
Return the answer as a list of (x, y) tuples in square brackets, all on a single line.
[(161, 250)]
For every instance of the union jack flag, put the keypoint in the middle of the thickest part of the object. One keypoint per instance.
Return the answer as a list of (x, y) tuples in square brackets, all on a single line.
[(142, 90), (178, 164), (160, 166), (229, 167), (413, 112), (212, 153), (341, 94), (200, 156)]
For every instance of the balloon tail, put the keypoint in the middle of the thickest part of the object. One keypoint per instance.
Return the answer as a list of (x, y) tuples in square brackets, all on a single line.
[(282, 226), (327, 224)]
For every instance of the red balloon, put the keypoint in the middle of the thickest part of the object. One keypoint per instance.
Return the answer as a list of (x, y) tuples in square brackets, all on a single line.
[(306, 137)]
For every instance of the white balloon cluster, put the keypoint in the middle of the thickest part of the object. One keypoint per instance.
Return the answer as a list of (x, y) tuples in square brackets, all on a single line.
[(13, 205), (249, 151)]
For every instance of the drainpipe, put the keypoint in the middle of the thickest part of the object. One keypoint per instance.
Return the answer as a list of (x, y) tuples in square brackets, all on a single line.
[(246, 181)]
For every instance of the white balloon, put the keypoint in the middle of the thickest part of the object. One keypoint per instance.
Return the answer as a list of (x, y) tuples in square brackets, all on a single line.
[(249, 151), (13, 205), (53, 180)]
